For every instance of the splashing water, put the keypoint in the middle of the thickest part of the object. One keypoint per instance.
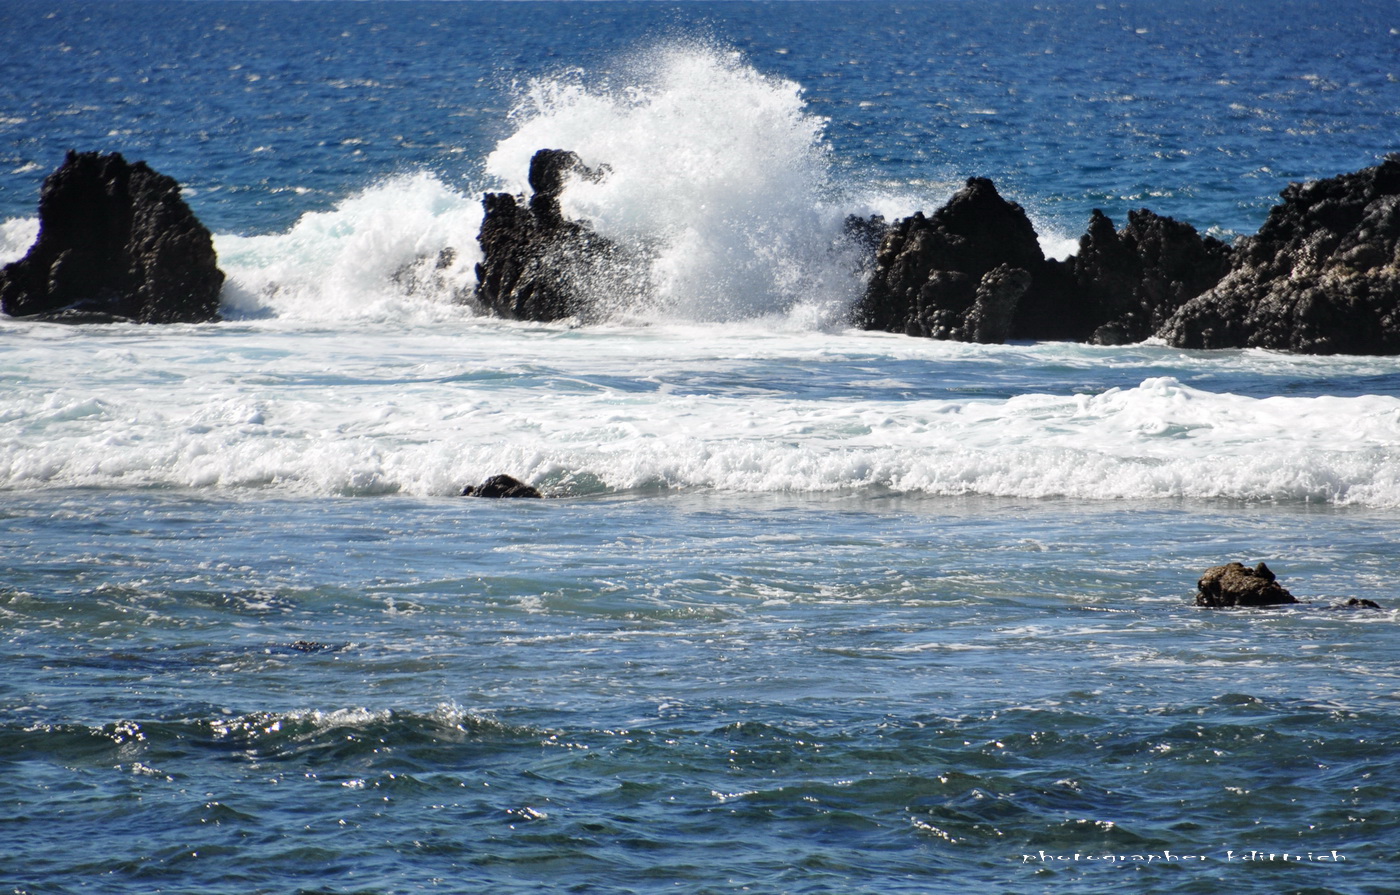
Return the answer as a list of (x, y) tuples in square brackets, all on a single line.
[(718, 177)]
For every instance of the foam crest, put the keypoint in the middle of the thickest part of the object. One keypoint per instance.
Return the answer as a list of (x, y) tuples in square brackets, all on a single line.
[(319, 422), (718, 177), (377, 256)]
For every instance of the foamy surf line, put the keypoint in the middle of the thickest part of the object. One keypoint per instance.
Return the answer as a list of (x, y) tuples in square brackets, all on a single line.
[(1158, 440)]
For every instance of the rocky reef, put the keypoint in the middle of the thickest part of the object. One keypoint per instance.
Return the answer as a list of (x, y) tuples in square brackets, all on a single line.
[(116, 242), (1322, 276), (974, 271), (537, 265)]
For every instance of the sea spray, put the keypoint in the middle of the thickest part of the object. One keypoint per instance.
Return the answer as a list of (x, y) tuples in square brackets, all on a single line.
[(717, 176), (403, 249)]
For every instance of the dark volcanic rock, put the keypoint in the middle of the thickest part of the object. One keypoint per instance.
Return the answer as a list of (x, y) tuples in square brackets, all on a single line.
[(974, 272), (116, 241), (535, 264), (1138, 277), (1358, 603), (501, 486), (1233, 584), (929, 271), (1322, 276)]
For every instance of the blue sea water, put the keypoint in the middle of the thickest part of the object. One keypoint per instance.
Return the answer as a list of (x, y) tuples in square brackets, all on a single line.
[(813, 610)]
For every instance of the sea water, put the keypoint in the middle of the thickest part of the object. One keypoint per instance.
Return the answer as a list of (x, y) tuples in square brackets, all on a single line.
[(810, 609)]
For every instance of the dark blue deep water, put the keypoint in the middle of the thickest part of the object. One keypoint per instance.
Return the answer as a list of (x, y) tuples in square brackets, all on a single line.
[(815, 611)]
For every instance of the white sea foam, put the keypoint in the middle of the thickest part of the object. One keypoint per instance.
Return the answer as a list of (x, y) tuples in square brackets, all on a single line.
[(16, 236), (424, 410), (717, 175), (376, 256)]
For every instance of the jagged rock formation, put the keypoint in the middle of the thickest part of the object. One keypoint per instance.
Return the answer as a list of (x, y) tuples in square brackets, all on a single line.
[(116, 242), (1322, 276), (958, 274), (1235, 585), (536, 265), (1137, 277), (974, 271)]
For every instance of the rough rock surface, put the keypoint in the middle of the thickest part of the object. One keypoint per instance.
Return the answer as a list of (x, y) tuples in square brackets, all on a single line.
[(1322, 276), (974, 271), (116, 242), (1234, 584), (958, 274), (501, 486), (1136, 278), (536, 265)]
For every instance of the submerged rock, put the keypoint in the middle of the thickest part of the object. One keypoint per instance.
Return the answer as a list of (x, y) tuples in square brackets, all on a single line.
[(536, 265), (1236, 585), (116, 242), (1322, 276), (1357, 603), (501, 486)]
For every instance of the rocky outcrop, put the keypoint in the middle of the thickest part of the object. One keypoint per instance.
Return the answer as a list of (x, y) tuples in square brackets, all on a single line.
[(958, 274), (501, 486), (974, 271), (116, 242), (1136, 278), (1235, 585), (536, 265), (1322, 276)]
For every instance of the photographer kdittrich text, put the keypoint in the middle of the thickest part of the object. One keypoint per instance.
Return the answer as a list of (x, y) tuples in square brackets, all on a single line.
[(1167, 856)]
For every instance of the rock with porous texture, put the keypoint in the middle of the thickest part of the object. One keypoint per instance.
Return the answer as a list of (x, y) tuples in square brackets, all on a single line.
[(501, 486), (1322, 276), (1136, 278), (930, 272), (1236, 585), (974, 272), (538, 265), (116, 242)]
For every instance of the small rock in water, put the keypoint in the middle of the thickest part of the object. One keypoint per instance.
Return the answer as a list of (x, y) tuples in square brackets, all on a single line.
[(1234, 584), (1358, 603), (501, 486)]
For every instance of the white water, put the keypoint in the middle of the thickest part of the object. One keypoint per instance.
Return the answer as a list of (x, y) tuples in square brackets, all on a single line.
[(718, 179), (424, 410), (350, 365)]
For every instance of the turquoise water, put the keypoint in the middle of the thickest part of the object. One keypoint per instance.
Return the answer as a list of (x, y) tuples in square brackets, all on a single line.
[(812, 610)]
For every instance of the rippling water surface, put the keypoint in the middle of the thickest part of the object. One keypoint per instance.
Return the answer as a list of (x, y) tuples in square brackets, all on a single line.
[(810, 610)]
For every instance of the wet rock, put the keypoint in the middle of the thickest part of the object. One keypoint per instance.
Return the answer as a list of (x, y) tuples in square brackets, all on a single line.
[(1322, 276), (1136, 278), (1236, 585), (1358, 603), (501, 486), (116, 242), (536, 265), (929, 271), (974, 272)]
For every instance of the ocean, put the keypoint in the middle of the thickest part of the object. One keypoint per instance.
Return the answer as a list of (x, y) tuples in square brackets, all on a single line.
[(809, 609)]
